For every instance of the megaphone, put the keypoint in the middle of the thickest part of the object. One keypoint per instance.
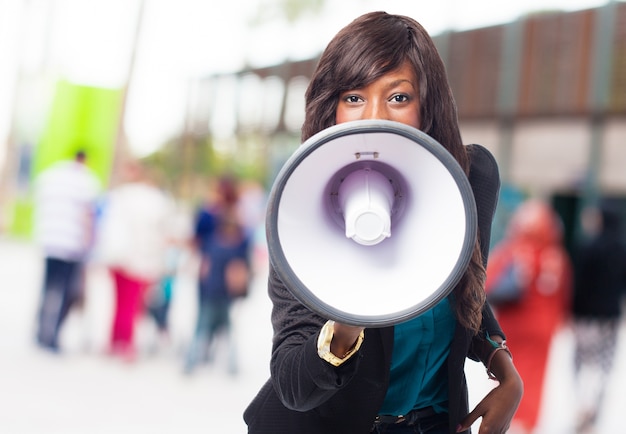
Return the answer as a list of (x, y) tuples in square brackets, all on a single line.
[(370, 223)]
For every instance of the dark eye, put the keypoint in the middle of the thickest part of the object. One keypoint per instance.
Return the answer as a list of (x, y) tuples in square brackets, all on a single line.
[(400, 98), (352, 99)]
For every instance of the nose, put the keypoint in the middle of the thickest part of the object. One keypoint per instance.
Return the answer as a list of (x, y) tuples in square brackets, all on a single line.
[(375, 110)]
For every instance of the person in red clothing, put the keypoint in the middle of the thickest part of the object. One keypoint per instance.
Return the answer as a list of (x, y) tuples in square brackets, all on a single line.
[(133, 241), (533, 255)]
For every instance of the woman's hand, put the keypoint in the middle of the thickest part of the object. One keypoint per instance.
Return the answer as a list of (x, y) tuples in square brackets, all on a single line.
[(344, 338), (499, 406)]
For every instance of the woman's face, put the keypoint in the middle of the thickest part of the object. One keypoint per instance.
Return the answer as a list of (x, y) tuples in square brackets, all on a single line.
[(394, 97)]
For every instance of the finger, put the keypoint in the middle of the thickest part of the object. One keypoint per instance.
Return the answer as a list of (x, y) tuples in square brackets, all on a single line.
[(468, 421)]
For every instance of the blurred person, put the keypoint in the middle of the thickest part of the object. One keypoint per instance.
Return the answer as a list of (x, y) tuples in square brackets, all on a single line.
[(328, 377), (65, 202), (599, 285), (133, 241), (224, 244), (159, 296), (252, 207), (251, 204), (529, 279)]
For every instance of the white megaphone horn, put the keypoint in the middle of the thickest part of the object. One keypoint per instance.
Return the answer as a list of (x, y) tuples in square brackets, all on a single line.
[(371, 223)]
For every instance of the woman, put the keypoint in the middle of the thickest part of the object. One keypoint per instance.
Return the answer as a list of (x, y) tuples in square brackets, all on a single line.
[(386, 67), (533, 249), (133, 242)]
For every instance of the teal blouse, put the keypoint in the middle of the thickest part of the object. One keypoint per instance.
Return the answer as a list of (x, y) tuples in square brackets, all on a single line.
[(418, 375)]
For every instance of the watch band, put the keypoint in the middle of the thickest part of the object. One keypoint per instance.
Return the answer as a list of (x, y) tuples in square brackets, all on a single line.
[(323, 345), (497, 346)]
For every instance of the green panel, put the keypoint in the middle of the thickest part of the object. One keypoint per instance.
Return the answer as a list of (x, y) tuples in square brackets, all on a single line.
[(21, 222), (81, 117)]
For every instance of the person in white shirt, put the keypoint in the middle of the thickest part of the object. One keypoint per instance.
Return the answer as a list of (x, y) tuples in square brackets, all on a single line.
[(65, 200)]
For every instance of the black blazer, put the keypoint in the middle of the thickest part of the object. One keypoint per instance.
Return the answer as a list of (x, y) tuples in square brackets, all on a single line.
[(307, 395)]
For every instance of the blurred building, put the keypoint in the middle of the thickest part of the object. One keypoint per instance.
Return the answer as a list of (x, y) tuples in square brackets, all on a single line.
[(546, 94)]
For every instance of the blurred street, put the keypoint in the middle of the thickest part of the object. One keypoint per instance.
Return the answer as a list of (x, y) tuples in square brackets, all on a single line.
[(85, 391)]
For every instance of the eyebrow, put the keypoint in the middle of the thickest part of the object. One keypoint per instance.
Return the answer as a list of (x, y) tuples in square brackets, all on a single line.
[(399, 82), (390, 85)]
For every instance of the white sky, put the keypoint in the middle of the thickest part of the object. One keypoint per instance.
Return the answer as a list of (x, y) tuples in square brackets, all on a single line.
[(90, 41)]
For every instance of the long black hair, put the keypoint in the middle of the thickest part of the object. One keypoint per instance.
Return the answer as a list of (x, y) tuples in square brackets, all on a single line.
[(367, 48)]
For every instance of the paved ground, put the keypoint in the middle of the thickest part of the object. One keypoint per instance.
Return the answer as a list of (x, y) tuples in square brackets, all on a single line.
[(83, 391)]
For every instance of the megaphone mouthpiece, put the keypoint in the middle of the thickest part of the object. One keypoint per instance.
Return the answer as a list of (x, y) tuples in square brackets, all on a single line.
[(366, 197)]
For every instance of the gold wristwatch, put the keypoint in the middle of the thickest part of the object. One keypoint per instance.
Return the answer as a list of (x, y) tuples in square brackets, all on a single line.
[(323, 345)]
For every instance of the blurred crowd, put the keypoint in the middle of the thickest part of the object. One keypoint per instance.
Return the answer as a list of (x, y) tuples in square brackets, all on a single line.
[(143, 239)]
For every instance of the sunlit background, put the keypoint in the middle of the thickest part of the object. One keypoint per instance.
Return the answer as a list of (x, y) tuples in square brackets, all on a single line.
[(195, 88), (154, 48)]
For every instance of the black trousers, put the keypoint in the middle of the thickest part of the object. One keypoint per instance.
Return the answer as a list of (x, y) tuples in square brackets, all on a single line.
[(435, 424), (61, 288)]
